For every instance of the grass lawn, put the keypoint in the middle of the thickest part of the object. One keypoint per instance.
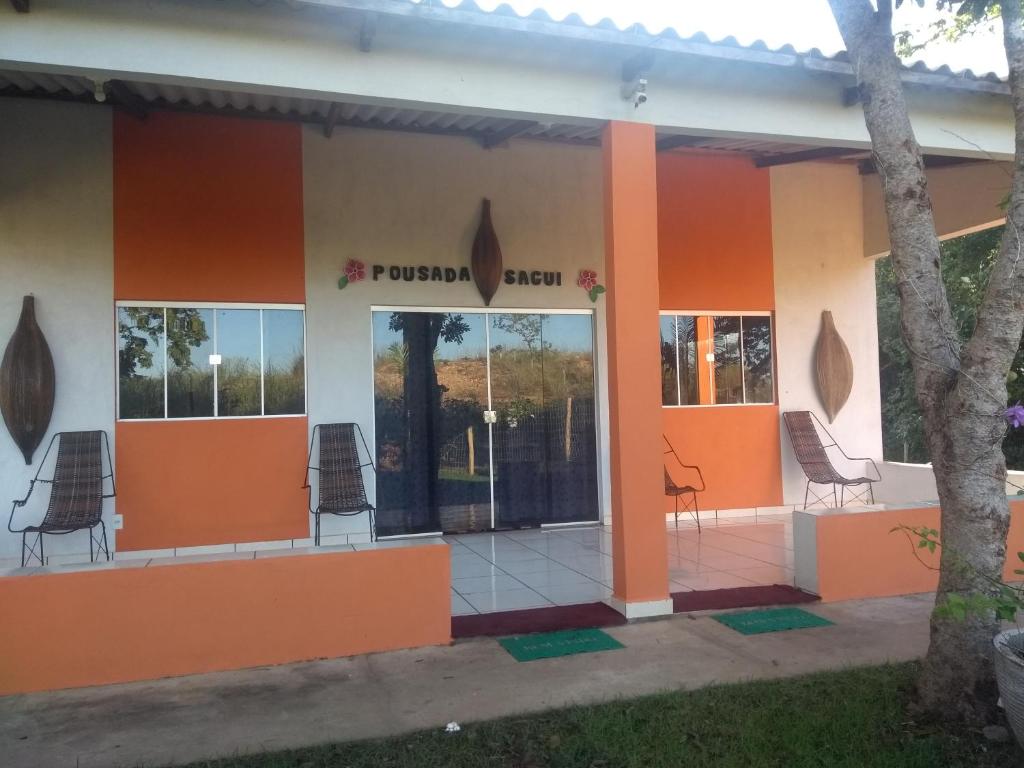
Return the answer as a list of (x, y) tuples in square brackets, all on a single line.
[(854, 718)]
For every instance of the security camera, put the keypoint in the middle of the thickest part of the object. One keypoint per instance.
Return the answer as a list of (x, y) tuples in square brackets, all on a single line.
[(635, 91)]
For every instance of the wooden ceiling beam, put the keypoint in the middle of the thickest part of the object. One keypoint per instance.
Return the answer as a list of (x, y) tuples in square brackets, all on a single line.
[(930, 162), (332, 118), (803, 156), (510, 131), (678, 140), (127, 99)]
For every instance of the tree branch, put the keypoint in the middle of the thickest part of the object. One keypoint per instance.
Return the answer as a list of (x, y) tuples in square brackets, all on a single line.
[(990, 352)]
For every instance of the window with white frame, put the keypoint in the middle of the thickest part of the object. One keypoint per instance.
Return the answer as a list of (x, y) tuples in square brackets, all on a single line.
[(205, 361), (716, 359)]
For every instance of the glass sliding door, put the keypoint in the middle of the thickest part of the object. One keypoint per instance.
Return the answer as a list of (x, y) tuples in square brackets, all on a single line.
[(544, 434), (569, 406), (483, 420), (430, 394)]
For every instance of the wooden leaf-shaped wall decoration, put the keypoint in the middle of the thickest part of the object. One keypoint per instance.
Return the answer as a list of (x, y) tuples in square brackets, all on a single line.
[(486, 261), (834, 366), (27, 382)]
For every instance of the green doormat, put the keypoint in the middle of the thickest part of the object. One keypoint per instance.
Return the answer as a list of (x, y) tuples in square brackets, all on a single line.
[(771, 620), (549, 645)]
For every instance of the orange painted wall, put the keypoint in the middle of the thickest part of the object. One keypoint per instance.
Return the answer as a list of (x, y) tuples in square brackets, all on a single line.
[(715, 253), (208, 209), (189, 483), (185, 618), (737, 450), (858, 556)]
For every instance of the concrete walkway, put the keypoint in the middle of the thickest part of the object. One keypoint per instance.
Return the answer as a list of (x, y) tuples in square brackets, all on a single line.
[(191, 718)]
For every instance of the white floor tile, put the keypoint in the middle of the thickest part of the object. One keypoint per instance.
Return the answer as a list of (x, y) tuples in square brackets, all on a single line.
[(553, 577), (574, 594), (465, 569), (460, 607), (507, 600), (479, 584)]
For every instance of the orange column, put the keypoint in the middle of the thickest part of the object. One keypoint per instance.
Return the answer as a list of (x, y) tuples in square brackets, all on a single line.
[(705, 367), (634, 370)]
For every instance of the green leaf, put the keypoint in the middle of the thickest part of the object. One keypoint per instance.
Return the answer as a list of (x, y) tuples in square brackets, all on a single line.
[(342, 282), (1006, 613), (598, 289), (922, 543), (1020, 556)]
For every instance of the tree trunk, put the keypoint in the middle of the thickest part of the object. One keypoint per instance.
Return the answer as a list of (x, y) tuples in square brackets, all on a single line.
[(961, 391)]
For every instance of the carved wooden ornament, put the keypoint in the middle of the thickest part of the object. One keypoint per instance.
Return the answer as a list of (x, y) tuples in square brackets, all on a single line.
[(27, 382), (486, 261), (834, 366)]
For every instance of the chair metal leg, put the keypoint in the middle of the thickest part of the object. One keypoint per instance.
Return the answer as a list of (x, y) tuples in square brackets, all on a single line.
[(373, 527), (676, 500), (871, 492), (807, 490), (316, 535), (106, 547), (23, 535), (835, 496), (91, 558)]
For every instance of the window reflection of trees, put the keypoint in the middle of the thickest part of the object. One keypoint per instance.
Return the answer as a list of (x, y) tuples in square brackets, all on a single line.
[(189, 375), (743, 368)]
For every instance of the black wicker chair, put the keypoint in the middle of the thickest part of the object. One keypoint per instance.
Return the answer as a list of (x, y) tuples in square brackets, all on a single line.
[(76, 494), (811, 453), (341, 490), (688, 493)]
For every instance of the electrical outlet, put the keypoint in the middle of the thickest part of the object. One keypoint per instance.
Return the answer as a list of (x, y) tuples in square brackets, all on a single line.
[(118, 521)]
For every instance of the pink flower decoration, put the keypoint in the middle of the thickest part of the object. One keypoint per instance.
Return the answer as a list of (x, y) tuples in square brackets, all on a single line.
[(355, 271), (587, 280)]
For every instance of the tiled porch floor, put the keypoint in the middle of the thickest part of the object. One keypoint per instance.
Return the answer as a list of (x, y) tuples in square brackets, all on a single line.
[(536, 568)]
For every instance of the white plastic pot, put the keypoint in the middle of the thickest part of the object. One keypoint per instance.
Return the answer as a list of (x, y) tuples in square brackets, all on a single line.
[(1010, 677)]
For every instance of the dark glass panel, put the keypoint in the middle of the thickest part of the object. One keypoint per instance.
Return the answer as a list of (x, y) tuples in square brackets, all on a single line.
[(686, 335), (757, 359), (728, 371), (189, 373), (238, 376), (430, 393), (669, 371), (519, 434), (570, 439), (140, 351), (284, 376)]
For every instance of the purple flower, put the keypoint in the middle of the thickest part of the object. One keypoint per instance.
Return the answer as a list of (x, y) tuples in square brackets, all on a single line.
[(1015, 415)]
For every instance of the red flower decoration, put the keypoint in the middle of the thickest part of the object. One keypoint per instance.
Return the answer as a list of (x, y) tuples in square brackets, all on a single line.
[(355, 271), (587, 280)]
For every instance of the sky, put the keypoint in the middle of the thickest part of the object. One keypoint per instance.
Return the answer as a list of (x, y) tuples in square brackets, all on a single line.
[(804, 23)]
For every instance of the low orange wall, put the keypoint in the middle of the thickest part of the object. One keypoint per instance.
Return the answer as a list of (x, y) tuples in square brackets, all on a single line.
[(737, 449), (121, 624), (858, 556), (212, 481)]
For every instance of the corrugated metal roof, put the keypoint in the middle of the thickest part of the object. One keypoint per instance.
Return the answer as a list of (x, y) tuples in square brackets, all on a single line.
[(167, 96), (576, 20)]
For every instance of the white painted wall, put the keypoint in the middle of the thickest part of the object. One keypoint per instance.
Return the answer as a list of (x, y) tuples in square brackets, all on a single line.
[(818, 246), (965, 198), (907, 483), (56, 242), (397, 198)]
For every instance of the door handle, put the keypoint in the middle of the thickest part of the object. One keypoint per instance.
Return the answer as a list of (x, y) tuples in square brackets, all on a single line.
[(490, 417)]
